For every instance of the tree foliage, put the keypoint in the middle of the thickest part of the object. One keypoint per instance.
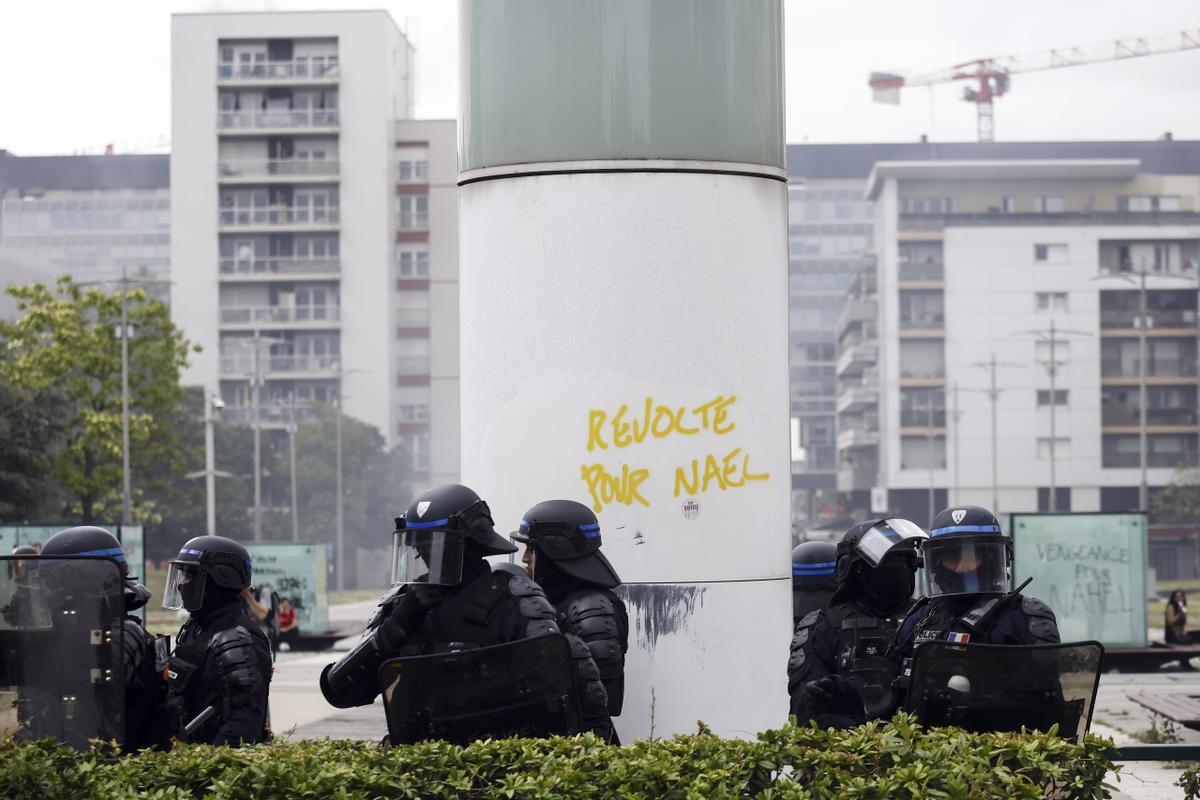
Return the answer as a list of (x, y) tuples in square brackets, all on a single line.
[(68, 339), (1178, 503)]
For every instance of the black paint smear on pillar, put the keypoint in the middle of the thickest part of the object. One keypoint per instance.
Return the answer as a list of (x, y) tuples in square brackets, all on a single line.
[(660, 608)]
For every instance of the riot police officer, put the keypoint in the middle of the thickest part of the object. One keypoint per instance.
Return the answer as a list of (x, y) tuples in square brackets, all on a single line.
[(143, 654), (220, 671), (812, 577), (448, 600), (562, 554), (967, 583), (838, 673)]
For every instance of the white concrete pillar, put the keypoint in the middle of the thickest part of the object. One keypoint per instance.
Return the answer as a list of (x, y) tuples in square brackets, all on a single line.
[(624, 302)]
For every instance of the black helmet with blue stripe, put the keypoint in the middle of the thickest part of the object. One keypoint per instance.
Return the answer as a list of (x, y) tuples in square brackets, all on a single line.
[(967, 553), (877, 562), (208, 572), (568, 533), (440, 527), (813, 565)]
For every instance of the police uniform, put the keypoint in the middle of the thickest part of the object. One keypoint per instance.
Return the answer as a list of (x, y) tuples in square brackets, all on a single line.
[(564, 537), (838, 670), (449, 600), (971, 605), (220, 670)]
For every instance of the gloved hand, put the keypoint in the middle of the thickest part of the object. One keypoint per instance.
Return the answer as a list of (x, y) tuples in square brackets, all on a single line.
[(821, 693), (407, 614)]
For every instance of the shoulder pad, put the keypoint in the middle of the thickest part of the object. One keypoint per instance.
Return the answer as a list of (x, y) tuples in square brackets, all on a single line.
[(522, 586), (809, 619), (588, 604), (230, 639), (1042, 623)]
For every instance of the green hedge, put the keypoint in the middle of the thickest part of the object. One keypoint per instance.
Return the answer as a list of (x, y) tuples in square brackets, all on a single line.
[(899, 760)]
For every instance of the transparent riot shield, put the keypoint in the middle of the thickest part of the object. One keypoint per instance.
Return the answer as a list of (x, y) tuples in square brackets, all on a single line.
[(61, 670), (987, 687), (523, 688)]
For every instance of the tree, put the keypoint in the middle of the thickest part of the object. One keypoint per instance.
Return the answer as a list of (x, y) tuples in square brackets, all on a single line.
[(68, 338), (30, 431), (1178, 503)]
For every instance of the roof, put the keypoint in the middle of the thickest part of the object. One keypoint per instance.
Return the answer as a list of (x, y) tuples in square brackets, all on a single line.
[(84, 172), (816, 161), (991, 170)]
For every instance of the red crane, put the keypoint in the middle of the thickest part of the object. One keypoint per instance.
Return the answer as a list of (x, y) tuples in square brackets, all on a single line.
[(991, 77)]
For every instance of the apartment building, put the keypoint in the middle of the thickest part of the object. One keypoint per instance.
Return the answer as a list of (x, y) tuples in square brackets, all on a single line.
[(1036, 264)]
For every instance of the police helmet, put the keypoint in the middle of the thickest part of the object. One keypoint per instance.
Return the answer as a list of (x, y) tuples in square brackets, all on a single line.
[(813, 566), (867, 544), (568, 534), (87, 540), (18, 571), (967, 553), (439, 527), (208, 569)]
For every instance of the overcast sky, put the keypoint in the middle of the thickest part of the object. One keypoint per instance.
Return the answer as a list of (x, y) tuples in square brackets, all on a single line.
[(78, 74)]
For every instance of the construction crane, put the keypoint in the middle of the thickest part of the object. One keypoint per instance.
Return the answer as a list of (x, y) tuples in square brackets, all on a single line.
[(991, 77)]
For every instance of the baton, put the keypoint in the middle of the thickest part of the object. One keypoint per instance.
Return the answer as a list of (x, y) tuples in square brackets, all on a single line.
[(201, 718)]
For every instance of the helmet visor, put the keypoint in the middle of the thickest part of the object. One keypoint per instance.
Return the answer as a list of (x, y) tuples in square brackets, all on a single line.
[(888, 536), (560, 542), (965, 565), (434, 557), (184, 587)]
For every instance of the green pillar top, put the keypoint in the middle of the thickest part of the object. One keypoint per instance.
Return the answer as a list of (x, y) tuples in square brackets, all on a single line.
[(601, 80)]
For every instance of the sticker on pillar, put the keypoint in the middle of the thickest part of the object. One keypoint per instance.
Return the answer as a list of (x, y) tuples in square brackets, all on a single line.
[(701, 455)]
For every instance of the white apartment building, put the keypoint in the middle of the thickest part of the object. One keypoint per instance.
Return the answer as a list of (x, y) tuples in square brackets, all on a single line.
[(982, 259), (302, 220)]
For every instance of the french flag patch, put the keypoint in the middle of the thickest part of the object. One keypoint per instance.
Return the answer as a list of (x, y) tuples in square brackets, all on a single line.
[(961, 638)]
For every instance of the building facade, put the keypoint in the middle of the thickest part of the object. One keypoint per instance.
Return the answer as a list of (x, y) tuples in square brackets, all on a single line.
[(1032, 268), (284, 160), (91, 217)]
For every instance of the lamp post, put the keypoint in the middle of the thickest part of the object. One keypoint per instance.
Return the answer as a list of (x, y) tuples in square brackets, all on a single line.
[(212, 404), (993, 393)]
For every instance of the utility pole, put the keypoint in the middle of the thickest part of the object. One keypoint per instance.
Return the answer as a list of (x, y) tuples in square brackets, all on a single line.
[(212, 404), (255, 397), (292, 460), (954, 415), (341, 530), (993, 393), (1054, 336), (127, 494), (929, 452)]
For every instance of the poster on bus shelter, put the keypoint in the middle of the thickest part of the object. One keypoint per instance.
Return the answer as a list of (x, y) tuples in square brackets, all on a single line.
[(297, 573), (1090, 569)]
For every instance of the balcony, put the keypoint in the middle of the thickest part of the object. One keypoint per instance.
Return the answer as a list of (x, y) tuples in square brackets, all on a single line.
[(858, 311), (286, 366), (922, 376), (856, 477), (920, 418), (1124, 415), (275, 170), (281, 120), (925, 271), (269, 415), (857, 436), (927, 321), (937, 222), (251, 317), (1114, 371), (856, 358), (286, 268), (1165, 322), (277, 218), (857, 398), (302, 71)]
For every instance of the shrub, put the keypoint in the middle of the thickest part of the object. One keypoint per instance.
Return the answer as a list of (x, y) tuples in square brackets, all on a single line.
[(897, 760)]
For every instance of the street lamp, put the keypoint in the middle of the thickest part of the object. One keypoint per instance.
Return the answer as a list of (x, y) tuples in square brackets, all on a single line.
[(994, 395), (213, 404)]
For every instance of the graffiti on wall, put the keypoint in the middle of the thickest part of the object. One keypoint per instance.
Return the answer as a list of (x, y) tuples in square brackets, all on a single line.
[(613, 432)]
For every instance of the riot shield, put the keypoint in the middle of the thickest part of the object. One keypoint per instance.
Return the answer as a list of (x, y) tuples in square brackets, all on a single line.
[(987, 687), (523, 688), (62, 675)]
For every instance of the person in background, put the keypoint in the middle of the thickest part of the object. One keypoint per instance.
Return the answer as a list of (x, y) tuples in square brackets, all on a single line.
[(289, 623), (1176, 621)]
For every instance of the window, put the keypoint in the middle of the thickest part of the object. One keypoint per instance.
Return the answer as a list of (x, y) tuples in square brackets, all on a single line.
[(413, 171), (1061, 449), (1051, 301), (1050, 253), (1048, 205), (413, 412), (413, 263), (1148, 203), (1008, 205), (1043, 396), (1062, 498), (414, 212)]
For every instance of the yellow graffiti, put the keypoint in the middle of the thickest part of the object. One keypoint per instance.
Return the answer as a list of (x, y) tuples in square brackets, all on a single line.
[(659, 421), (607, 488), (725, 474)]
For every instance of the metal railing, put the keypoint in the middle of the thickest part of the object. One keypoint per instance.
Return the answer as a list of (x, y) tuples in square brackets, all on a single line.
[(414, 222), (277, 215), (926, 373), (277, 118), (246, 315), (1115, 368), (927, 319), (243, 364), (1127, 414), (933, 222), (297, 68), (280, 265), (1130, 318), (921, 270), (920, 418), (269, 167), (1112, 459)]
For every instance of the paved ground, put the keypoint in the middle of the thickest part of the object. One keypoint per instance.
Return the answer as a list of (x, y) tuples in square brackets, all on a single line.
[(299, 711)]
